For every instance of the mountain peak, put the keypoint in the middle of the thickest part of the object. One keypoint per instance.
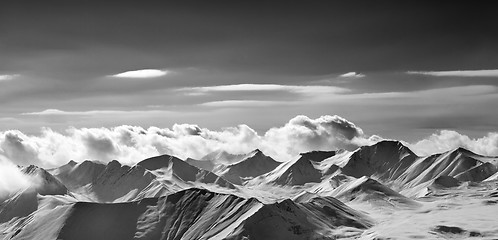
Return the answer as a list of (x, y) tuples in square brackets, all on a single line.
[(257, 151), (463, 151), (250, 167), (318, 156), (155, 163), (71, 163)]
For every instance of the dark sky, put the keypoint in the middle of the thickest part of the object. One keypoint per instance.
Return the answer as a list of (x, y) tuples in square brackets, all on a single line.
[(63, 55)]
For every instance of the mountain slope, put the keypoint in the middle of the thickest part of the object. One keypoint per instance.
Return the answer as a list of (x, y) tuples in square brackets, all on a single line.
[(223, 157), (392, 161), (75, 175), (254, 165), (173, 168), (202, 164), (318, 156), (296, 172), (386, 159), (192, 214)]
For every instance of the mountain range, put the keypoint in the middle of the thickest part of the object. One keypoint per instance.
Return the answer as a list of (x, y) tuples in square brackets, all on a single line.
[(316, 195)]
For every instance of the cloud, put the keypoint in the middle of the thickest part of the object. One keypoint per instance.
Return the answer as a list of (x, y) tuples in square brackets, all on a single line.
[(446, 140), (8, 77), (352, 75), (459, 73), (130, 144), (267, 87), (242, 103), (19, 147), (302, 134), (143, 73), (56, 112), (12, 179)]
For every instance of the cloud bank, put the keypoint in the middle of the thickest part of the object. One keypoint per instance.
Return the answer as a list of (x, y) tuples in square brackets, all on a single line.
[(131, 144)]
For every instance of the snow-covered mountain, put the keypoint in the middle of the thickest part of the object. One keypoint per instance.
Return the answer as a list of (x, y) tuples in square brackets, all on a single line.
[(316, 195), (255, 164)]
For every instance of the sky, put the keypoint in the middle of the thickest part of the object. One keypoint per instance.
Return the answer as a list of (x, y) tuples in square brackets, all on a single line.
[(396, 70)]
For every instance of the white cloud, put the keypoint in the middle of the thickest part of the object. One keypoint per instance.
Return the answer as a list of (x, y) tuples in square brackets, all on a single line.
[(267, 87), (143, 73), (130, 144), (459, 73), (352, 75), (8, 77), (446, 140), (12, 179), (302, 134), (242, 103)]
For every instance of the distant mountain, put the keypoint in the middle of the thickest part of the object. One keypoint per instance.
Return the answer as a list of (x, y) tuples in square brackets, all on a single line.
[(392, 161), (386, 159), (175, 168), (75, 175), (254, 165), (318, 156), (223, 157), (295, 172), (208, 165)]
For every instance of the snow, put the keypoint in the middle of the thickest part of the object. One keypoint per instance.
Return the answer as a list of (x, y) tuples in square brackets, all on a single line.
[(378, 191)]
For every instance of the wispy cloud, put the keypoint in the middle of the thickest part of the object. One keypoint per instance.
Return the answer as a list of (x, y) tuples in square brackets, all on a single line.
[(143, 73), (8, 77), (57, 112), (459, 73), (241, 103), (352, 75), (267, 87)]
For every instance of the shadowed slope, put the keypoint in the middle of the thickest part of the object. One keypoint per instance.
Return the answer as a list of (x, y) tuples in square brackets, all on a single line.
[(176, 168), (254, 165), (194, 214), (392, 161)]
